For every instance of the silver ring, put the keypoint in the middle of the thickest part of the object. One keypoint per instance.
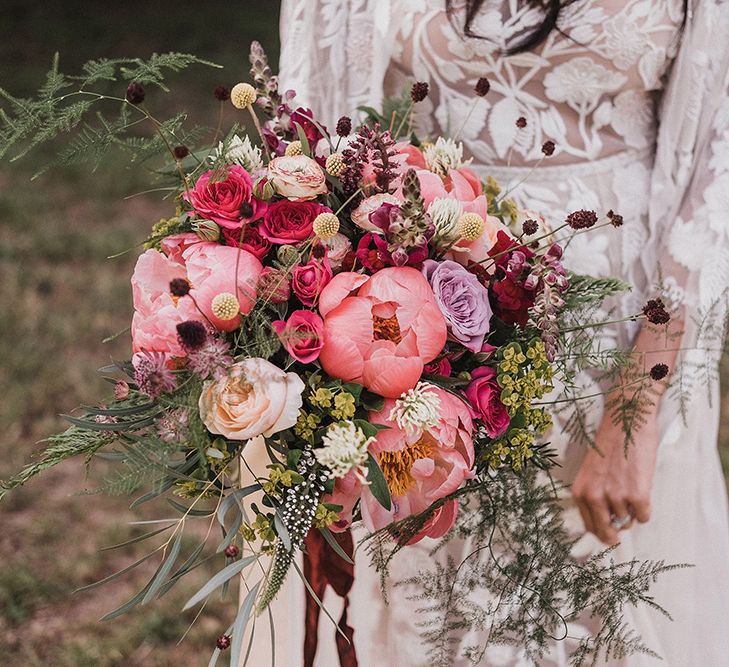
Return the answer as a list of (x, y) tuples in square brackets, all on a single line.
[(620, 522)]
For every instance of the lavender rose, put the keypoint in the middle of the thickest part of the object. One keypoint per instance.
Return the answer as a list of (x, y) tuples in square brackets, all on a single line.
[(463, 301)]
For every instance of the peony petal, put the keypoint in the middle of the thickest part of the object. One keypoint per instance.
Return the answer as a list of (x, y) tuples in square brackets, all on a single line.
[(389, 375), (338, 289)]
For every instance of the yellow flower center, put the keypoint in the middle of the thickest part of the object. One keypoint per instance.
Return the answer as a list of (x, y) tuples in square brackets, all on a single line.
[(386, 328), (397, 466)]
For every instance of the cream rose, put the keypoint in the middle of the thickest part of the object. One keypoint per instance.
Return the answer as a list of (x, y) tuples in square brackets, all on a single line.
[(254, 398), (297, 177)]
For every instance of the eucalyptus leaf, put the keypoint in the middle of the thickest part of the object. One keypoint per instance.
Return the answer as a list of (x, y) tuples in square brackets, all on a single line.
[(139, 538), (219, 579), (164, 570), (111, 577), (335, 545), (240, 623)]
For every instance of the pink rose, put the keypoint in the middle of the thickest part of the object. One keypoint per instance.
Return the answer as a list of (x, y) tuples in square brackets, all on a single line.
[(290, 222), (297, 177), (251, 240), (302, 335), (274, 285), (338, 247), (484, 395), (227, 199), (380, 330), (361, 215), (308, 280)]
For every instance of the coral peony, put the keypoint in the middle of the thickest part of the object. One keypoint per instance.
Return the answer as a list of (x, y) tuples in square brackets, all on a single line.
[(380, 330)]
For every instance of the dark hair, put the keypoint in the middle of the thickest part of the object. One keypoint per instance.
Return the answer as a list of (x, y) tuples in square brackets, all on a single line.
[(551, 8)]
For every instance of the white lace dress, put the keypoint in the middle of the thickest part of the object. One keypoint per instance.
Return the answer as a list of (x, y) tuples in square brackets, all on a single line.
[(598, 88)]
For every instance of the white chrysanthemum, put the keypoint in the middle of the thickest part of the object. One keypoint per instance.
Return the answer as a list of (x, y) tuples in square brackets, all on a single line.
[(444, 155), (344, 450), (445, 213), (417, 408), (241, 152)]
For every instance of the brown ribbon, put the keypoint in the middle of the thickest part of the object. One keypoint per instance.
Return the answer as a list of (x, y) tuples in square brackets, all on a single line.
[(322, 567)]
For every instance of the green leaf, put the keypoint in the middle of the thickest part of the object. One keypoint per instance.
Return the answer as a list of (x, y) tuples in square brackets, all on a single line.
[(240, 623), (354, 389), (164, 570), (185, 510), (218, 580), (139, 538), (370, 430), (128, 568), (335, 545), (306, 149), (378, 483)]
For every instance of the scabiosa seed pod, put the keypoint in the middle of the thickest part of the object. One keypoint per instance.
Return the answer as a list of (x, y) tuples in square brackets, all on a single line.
[(179, 287), (655, 312), (135, 93), (181, 152), (615, 219), (482, 87), (658, 372), (548, 148), (242, 95), (223, 642), (232, 551), (530, 227), (192, 334), (344, 126), (419, 91), (221, 93), (581, 219), (521, 122)]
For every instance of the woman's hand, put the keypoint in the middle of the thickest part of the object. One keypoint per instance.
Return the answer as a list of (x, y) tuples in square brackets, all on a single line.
[(613, 483)]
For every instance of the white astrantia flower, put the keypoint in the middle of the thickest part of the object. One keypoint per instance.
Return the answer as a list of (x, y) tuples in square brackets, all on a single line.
[(344, 450), (241, 152), (417, 408), (444, 155), (445, 213)]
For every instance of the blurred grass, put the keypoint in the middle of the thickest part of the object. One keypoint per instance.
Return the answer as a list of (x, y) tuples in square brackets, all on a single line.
[(60, 298)]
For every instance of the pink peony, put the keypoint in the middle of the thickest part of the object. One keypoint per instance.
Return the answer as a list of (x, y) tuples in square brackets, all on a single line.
[(214, 269), (302, 335), (174, 246), (224, 198), (484, 395), (460, 184), (421, 465), (297, 177), (308, 280), (380, 330)]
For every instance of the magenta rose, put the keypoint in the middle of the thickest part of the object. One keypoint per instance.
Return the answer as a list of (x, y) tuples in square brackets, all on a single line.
[(289, 221), (302, 335), (484, 395), (226, 198), (441, 367), (250, 240), (308, 280)]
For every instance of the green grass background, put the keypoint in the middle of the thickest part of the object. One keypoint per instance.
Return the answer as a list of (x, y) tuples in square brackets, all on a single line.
[(59, 298)]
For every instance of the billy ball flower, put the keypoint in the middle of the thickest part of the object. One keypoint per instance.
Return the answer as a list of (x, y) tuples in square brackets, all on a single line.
[(471, 226), (135, 93), (243, 95), (344, 450), (294, 148), (658, 372), (419, 91), (225, 306), (326, 225), (581, 219), (334, 165)]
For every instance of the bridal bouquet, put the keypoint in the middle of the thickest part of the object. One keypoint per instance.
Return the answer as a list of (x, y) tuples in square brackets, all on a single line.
[(336, 326)]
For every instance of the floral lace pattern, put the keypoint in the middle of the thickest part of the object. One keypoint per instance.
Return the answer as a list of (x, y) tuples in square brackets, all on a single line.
[(589, 87)]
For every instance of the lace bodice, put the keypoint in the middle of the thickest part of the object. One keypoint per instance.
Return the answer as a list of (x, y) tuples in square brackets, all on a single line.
[(591, 86)]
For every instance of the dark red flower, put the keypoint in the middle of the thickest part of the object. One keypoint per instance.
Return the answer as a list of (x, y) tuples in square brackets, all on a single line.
[(302, 118), (344, 126), (251, 240), (658, 372), (548, 148), (419, 91), (135, 93), (221, 93), (482, 87)]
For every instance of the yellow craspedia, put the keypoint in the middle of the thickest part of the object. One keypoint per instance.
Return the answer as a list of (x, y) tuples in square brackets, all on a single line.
[(326, 225), (225, 306), (471, 226), (294, 148), (242, 95), (335, 165)]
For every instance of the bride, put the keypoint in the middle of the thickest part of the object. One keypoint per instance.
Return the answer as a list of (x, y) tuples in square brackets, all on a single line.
[(634, 95)]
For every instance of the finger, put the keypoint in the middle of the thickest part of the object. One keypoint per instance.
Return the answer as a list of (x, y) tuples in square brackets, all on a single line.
[(585, 514), (601, 520), (641, 509), (619, 509)]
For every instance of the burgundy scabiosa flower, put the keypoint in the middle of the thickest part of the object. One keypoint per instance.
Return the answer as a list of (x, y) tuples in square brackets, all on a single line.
[(548, 148), (482, 87), (655, 312), (581, 219), (192, 334), (419, 91), (658, 372)]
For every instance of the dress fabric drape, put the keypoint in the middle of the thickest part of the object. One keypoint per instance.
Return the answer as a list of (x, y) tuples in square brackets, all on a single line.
[(639, 110)]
